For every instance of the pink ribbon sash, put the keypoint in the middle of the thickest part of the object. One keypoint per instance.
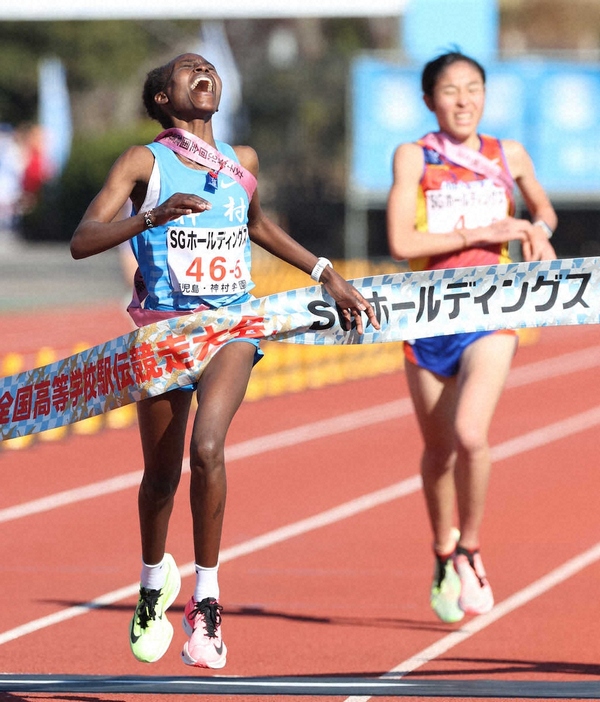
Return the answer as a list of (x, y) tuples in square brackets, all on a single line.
[(189, 145), (468, 158)]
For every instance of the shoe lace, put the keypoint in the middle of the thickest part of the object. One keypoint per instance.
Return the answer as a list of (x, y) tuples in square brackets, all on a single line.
[(470, 555), (210, 611), (146, 609), (442, 562)]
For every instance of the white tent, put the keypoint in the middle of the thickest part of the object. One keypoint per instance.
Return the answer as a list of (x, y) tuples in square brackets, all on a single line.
[(198, 9)]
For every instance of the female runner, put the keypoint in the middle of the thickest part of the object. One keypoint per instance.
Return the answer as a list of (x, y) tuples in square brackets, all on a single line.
[(208, 189), (451, 205)]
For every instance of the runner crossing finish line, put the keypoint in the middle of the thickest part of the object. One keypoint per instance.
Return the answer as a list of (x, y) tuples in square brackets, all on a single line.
[(169, 354)]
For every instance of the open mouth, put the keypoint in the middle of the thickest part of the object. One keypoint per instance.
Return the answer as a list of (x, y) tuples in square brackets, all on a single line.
[(203, 84)]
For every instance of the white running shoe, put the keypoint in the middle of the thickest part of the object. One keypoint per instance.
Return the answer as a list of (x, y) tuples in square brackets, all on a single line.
[(476, 595)]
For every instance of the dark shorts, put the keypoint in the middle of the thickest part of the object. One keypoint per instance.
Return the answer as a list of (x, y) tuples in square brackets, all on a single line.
[(442, 354)]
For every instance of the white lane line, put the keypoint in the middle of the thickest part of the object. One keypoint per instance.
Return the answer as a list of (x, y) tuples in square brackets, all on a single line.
[(244, 449), (510, 604), (403, 488), (574, 361), (69, 497), (548, 434), (321, 428), (330, 516), (522, 375)]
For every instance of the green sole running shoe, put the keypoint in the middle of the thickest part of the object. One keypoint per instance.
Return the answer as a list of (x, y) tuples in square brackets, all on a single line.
[(150, 632), (445, 591)]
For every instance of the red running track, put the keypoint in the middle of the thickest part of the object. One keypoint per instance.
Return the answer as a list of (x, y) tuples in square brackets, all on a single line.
[(326, 560)]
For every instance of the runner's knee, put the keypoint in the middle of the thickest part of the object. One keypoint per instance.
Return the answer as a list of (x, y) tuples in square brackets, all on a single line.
[(207, 455)]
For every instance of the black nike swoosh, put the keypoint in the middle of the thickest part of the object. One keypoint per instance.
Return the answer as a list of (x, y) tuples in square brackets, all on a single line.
[(133, 637), (219, 649)]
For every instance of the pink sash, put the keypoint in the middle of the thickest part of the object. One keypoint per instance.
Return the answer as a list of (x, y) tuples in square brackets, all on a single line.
[(470, 159), (197, 150)]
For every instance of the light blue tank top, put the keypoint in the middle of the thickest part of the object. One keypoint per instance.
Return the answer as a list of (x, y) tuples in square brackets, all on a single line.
[(202, 258)]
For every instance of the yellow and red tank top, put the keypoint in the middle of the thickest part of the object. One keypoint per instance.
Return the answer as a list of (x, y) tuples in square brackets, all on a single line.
[(453, 197)]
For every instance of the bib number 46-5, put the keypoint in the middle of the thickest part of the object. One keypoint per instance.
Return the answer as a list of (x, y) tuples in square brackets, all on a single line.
[(216, 269)]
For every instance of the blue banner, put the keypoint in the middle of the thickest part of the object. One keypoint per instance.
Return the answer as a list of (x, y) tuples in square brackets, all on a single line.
[(550, 107)]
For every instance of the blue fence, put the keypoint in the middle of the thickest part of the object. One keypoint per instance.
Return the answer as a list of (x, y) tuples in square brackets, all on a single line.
[(553, 108)]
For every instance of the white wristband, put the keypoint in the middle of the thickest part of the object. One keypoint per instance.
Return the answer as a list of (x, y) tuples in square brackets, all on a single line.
[(545, 227), (320, 266)]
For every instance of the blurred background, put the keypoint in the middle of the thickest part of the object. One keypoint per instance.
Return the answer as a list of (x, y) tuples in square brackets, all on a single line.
[(324, 99)]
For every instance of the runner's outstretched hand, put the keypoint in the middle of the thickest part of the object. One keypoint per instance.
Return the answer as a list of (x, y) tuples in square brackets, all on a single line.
[(349, 300)]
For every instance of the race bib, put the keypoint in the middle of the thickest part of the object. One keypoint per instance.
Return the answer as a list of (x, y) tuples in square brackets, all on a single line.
[(207, 261), (465, 206)]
